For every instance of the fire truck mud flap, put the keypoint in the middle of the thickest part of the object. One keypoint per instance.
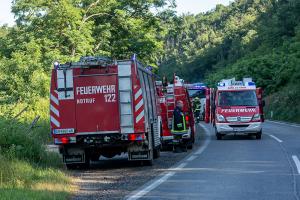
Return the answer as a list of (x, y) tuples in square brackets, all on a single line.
[(139, 155), (74, 156)]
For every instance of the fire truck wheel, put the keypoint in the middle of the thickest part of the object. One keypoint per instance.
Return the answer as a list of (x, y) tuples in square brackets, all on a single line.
[(95, 157), (156, 153), (258, 135), (190, 146)]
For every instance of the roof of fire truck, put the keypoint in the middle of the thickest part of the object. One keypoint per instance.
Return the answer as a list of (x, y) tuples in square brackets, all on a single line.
[(232, 84)]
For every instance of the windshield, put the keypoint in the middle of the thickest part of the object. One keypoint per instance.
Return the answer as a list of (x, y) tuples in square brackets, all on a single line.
[(197, 93), (237, 98)]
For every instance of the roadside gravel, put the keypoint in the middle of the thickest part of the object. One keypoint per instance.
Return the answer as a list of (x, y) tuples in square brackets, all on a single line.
[(115, 178)]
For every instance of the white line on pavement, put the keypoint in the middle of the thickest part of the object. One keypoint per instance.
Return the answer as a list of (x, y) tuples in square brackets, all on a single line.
[(191, 158), (276, 138), (156, 182), (297, 163), (283, 123)]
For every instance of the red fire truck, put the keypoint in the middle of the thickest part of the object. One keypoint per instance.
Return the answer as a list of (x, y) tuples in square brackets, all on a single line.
[(100, 107), (235, 107), (168, 96)]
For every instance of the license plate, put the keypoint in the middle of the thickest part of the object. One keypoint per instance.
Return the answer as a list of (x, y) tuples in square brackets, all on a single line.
[(238, 129), (73, 158)]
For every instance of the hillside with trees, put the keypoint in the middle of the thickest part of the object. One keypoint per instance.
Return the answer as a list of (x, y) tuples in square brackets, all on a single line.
[(248, 38)]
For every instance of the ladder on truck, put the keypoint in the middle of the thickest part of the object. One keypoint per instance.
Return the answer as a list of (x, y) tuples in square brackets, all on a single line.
[(170, 101)]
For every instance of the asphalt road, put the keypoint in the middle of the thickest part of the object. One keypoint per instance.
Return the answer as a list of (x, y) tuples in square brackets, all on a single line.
[(115, 178), (235, 168)]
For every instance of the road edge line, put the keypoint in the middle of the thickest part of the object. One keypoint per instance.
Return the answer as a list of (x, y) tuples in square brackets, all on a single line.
[(276, 138), (297, 162), (284, 123), (152, 184)]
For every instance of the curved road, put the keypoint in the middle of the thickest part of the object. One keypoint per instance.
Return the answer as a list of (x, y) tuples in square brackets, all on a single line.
[(234, 168)]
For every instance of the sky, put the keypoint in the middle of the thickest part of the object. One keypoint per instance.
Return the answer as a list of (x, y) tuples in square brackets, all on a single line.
[(183, 6)]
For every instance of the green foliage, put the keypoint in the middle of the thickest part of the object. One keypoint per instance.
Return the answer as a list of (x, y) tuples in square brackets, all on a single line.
[(247, 38)]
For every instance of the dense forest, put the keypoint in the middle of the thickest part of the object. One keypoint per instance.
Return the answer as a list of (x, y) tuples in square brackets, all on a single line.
[(253, 38)]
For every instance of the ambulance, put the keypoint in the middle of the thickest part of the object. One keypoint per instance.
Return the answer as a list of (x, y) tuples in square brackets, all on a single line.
[(235, 107)]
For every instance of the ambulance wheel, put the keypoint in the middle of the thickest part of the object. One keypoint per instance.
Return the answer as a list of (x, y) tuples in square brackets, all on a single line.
[(258, 135), (219, 136)]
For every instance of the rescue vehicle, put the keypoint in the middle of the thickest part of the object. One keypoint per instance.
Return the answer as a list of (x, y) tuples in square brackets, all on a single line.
[(100, 107), (235, 107), (168, 96), (198, 90)]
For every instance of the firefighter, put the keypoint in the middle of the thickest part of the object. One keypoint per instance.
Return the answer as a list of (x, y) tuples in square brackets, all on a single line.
[(179, 128), (178, 117), (196, 108)]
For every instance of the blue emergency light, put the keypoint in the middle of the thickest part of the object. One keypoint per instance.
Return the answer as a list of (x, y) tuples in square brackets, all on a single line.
[(251, 84)]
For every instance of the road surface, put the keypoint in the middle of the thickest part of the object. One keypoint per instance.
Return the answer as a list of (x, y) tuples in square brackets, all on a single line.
[(234, 168)]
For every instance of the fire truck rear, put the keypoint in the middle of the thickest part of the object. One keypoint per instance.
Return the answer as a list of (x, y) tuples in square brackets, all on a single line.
[(168, 96), (104, 108), (235, 107)]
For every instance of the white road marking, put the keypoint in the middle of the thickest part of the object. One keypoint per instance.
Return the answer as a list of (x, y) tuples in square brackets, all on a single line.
[(287, 124), (156, 182), (297, 163), (206, 142), (276, 138), (191, 158)]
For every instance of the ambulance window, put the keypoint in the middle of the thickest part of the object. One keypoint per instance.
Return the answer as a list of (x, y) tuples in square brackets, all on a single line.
[(237, 98)]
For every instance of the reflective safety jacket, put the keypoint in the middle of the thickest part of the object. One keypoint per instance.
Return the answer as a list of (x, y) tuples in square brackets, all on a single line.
[(178, 123), (196, 105)]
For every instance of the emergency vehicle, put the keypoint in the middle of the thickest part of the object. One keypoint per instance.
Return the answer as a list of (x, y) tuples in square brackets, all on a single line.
[(100, 107), (235, 107), (168, 96), (198, 90)]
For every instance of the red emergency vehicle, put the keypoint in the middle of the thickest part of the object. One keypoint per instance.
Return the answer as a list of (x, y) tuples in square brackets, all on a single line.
[(235, 107), (103, 108), (168, 96)]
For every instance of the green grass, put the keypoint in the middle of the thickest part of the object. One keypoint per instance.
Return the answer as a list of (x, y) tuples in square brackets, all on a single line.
[(23, 180), (285, 104), (27, 170)]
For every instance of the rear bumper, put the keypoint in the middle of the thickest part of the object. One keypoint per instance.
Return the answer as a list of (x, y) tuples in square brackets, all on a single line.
[(227, 128)]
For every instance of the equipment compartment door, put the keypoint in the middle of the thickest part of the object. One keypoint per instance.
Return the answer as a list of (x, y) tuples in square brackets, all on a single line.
[(97, 107)]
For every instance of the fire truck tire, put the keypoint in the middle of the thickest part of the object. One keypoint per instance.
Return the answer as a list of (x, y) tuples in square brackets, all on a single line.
[(84, 165), (156, 153), (258, 135), (95, 157), (190, 146)]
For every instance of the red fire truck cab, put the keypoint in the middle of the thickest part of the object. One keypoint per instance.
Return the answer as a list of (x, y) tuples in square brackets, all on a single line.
[(103, 108), (235, 107)]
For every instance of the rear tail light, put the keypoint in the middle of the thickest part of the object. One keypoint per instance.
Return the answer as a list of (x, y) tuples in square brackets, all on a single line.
[(136, 137), (186, 118), (65, 140)]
